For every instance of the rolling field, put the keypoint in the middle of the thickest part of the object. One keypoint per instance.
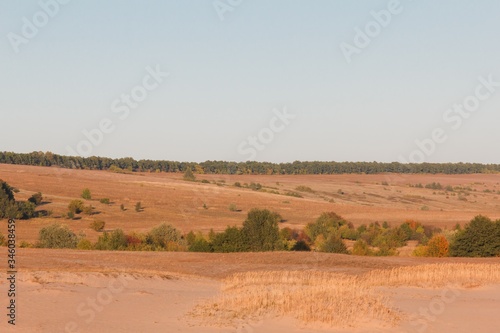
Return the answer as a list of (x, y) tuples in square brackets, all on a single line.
[(202, 206)]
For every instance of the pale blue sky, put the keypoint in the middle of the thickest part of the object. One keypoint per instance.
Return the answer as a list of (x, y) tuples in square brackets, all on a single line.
[(226, 77)]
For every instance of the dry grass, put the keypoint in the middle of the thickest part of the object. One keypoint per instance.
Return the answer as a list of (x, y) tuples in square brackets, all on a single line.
[(337, 300), (311, 297), (436, 275)]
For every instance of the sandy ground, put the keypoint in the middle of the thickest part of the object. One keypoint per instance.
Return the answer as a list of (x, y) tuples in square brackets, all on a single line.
[(93, 302), (56, 293)]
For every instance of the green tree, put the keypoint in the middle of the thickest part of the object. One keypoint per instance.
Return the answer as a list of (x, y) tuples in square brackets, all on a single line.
[(479, 238), (231, 240), (261, 230)]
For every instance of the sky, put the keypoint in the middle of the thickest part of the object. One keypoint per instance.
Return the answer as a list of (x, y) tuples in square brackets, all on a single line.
[(264, 80)]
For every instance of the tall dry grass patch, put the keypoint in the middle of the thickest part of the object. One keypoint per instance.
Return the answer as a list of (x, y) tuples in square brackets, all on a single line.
[(436, 275), (334, 299), (321, 297)]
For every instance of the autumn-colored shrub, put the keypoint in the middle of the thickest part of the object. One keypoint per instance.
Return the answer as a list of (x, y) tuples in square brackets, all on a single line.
[(438, 246)]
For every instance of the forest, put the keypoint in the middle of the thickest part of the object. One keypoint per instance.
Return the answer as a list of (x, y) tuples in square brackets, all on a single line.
[(129, 164)]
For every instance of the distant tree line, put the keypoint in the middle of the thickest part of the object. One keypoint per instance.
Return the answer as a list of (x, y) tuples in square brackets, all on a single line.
[(126, 165)]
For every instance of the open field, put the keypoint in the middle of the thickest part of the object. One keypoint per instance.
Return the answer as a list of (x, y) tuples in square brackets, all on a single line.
[(167, 198)]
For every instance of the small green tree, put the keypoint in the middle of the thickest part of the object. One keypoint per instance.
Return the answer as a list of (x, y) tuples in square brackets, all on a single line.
[(189, 175), (138, 207), (261, 230), (86, 194)]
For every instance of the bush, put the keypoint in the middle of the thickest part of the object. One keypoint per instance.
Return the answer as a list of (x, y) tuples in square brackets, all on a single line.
[(136, 242), (162, 235), (434, 186), (2, 239), (26, 245), (420, 251), (97, 225), (86, 194), (233, 208), (361, 248), (200, 245), (115, 240), (84, 244), (57, 236), (479, 238), (333, 244), (88, 210), (303, 188), (293, 194), (255, 186), (25, 210), (105, 201), (76, 206), (437, 246), (122, 207), (138, 207), (324, 225), (237, 184), (36, 199)]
